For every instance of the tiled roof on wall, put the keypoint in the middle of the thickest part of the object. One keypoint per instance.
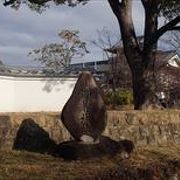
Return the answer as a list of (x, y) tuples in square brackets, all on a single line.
[(34, 72)]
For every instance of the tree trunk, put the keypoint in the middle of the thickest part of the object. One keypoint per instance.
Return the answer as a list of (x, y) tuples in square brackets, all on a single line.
[(144, 89), (144, 81), (140, 60)]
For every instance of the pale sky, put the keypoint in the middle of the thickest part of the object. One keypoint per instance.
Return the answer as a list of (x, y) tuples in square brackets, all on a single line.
[(23, 30)]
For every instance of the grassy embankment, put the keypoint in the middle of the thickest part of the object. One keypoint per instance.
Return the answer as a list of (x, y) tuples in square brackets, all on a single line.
[(146, 163)]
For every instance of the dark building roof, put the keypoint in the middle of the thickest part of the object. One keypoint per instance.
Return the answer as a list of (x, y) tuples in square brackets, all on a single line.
[(162, 57)]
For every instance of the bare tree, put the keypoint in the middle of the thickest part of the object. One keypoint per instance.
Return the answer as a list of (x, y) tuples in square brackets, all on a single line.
[(59, 55), (105, 41), (119, 75), (173, 39)]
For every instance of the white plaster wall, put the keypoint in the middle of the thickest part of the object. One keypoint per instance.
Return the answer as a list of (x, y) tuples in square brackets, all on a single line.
[(6, 93), (28, 94)]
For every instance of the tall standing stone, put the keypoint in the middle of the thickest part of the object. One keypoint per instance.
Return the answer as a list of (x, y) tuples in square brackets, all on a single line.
[(84, 114)]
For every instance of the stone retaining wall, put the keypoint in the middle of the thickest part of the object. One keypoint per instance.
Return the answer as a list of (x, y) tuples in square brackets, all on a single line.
[(142, 127)]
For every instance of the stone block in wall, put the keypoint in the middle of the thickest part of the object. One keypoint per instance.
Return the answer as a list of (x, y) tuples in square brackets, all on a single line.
[(5, 130)]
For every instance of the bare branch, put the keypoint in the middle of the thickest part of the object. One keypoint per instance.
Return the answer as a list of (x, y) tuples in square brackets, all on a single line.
[(176, 28), (173, 39), (168, 27), (39, 2), (115, 6)]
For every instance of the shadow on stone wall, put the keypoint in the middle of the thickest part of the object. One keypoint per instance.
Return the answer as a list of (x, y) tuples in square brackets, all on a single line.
[(31, 137)]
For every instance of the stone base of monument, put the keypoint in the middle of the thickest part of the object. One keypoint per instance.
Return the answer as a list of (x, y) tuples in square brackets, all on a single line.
[(31, 137), (72, 150)]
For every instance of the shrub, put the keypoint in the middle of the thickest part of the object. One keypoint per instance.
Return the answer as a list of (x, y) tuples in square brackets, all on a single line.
[(119, 97)]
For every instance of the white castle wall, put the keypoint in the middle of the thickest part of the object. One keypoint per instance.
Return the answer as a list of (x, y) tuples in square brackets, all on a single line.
[(32, 94)]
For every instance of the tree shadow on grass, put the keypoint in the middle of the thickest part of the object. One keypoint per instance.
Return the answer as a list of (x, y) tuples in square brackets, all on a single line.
[(31, 137)]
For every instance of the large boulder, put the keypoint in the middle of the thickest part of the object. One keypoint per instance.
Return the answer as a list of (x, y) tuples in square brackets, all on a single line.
[(31, 137), (84, 114)]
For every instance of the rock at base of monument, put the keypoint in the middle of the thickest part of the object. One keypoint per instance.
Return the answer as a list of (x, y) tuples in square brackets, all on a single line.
[(86, 139), (73, 150), (31, 137)]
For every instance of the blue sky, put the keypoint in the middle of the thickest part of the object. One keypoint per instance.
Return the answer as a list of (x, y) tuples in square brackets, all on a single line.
[(23, 30)]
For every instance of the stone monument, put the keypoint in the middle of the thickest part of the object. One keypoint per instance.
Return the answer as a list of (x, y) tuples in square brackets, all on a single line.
[(84, 114)]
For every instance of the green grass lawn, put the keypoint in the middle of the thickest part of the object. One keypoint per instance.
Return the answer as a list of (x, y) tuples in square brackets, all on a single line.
[(159, 161)]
